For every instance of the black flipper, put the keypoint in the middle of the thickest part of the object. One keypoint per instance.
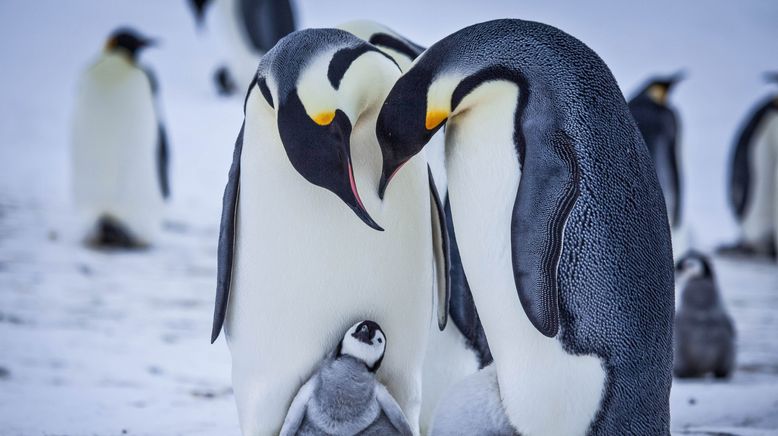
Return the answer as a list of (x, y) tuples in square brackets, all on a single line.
[(441, 252), (227, 234), (740, 177), (675, 219), (546, 195), (163, 162), (462, 308), (163, 155)]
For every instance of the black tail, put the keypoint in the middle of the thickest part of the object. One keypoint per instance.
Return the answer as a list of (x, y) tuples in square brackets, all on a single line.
[(110, 233)]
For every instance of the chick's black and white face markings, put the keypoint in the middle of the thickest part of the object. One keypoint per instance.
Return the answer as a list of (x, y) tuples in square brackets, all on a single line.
[(315, 115), (366, 342)]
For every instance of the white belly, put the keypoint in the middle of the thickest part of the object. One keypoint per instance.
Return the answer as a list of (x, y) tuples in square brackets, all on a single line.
[(307, 268), (448, 361), (545, 390), (759, 221), (114, 148)]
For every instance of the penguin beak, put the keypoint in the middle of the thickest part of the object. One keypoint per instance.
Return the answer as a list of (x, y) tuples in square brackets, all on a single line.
[(319, 149), (355, 202), (387, 173), (363, 334), (149, 42)]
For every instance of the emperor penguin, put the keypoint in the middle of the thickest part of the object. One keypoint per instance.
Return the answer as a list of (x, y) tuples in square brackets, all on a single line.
[(753, 180), (555, 200), (461, 348), (250, 29), (343, 397), (119, 147), (704, 340), (302, 253), (659, 124)]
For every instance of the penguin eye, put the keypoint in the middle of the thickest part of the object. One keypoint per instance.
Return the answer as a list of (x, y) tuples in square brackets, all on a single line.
[(380, 340)]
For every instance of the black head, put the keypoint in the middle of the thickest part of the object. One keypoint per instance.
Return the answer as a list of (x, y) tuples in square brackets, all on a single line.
[(405, 124), (319, 95), (129, 41), (659, 88), (695, 264), (366, 342)]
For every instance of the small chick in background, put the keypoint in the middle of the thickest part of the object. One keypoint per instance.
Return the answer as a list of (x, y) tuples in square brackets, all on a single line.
[(704, 333), (343, 397)]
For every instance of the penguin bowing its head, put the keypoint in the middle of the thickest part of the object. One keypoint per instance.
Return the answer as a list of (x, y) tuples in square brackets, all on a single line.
[(541, 152), (317, 99)]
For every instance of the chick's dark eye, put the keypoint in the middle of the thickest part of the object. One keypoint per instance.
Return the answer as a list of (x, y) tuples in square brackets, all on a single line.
[(380, 340)]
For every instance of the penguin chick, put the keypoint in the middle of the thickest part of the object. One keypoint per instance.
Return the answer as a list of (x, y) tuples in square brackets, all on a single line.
[(704, 333), (343, 396), (473, 406)]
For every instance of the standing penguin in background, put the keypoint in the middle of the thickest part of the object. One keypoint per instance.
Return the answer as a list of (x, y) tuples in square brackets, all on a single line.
[(659, 125), (343, 397), (461, 348), (299, 249), (554, 198), (251, 28), (704, 334), (753, 181), (119, 147)]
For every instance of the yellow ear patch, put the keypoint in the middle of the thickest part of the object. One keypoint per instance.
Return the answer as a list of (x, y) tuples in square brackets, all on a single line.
[(324, 118), (434, 118)]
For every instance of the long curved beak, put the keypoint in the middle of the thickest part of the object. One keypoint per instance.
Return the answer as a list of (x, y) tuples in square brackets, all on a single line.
[(387, 173), (355, 203)]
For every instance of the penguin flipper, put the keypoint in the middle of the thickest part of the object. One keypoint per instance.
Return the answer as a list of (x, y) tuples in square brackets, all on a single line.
[(296, 414), (461, 306), (392, 410), (547, 192), (441, 253), (227, 234), (163, 159)]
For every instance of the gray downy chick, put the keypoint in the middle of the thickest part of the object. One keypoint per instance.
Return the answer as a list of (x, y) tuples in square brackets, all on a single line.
[(473, 407), (704, 333), (343, 397)]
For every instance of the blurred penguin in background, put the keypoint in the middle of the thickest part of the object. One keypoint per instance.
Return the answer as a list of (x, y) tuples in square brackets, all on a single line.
[(658, 123), (704, 333), (250, 28), (119, 147), (753, 180), (461, 348)]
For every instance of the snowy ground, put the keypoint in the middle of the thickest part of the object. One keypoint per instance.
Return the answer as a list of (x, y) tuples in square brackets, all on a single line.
[(97, 343)]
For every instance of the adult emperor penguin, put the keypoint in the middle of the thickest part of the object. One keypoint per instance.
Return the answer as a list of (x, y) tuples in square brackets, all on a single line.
[(119, 147), (659, 125), (461, 348), (704, 340), (250, 28), (554, 197), (297, 264), (753, 180), (343, 397)]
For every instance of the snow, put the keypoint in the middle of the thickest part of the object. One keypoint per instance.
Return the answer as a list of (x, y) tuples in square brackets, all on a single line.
[(117, 343)]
